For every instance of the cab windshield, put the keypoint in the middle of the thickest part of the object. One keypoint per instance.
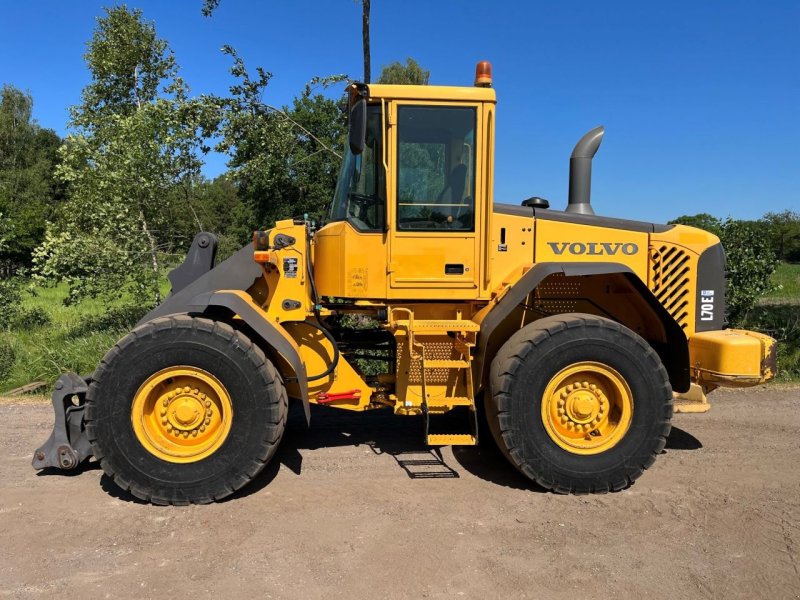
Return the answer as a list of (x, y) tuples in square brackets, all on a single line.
[(360, 196)]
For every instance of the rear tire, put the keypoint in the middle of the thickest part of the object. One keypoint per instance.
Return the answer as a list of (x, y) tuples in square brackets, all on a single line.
[(142, 378), (579, 403)]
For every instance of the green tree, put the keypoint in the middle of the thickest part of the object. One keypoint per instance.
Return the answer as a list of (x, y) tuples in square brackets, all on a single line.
[(284, 161), (703, 221), (29, 191), (784, 229), (410, 73), (132, 155), (209, 6)]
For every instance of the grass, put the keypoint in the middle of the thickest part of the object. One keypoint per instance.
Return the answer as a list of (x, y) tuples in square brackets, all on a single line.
[(786, 280), (781, 321), (71, 338), (75, 338)]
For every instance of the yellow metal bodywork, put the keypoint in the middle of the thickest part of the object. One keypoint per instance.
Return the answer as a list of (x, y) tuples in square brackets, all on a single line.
[(182, 414), (348, 263), (583, 243), (432, 93), (402, 273), (731, 357)]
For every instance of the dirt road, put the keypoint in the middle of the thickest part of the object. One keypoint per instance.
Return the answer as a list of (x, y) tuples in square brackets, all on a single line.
[(354, 509)]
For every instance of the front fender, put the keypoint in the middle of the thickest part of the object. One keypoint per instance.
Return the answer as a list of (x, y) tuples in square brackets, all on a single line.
[(276, 337)]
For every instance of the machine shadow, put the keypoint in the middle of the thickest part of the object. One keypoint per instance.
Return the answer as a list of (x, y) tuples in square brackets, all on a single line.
[(88, 465), (385, 433), (682, 440), (389, 434), (380, 430)]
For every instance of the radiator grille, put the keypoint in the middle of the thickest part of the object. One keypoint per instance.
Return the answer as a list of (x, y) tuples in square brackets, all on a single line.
[(669, 280)]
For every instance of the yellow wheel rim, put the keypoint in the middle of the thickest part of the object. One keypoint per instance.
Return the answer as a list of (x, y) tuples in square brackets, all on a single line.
[(587, 408), (182, 414)]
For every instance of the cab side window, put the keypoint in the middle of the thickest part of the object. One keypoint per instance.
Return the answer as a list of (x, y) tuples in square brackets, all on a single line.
[(436, 168)]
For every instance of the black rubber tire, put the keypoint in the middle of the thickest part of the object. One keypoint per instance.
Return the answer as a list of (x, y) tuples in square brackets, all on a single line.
[(520, 373), (257, 393)]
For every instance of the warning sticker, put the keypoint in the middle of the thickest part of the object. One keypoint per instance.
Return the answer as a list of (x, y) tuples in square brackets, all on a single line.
[(357, 282), (290, 267)]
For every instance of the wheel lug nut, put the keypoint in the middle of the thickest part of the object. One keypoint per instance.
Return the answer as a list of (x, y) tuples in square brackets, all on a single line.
[(169, 427), (208, 421), (165, 402), (208, 403), (194, 432), (202, 427), (560, 412), (164, 421)]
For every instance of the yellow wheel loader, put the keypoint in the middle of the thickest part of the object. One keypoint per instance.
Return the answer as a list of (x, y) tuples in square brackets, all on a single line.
[(579, 335)]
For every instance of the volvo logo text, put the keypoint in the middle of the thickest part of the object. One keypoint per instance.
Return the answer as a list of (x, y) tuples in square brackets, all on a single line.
[(594, 248)]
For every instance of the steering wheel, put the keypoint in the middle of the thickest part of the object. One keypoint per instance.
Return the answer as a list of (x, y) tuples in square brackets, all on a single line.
[(365, 201)]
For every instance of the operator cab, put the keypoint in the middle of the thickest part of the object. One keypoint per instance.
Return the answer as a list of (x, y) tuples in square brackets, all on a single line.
[(412, 199)]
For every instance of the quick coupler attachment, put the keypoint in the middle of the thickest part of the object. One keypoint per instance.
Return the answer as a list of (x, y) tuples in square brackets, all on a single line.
[(67, 445)]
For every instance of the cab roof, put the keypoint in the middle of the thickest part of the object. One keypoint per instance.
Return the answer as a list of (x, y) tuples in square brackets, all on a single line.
[(430, 92)]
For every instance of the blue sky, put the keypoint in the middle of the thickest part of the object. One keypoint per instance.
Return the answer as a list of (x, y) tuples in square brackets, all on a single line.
[(700, 99)]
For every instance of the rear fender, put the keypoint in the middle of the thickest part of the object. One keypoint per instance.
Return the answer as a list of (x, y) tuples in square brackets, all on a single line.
[(674, 354)]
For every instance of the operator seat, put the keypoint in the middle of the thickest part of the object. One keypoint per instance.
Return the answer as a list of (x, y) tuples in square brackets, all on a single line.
[(456, 182)]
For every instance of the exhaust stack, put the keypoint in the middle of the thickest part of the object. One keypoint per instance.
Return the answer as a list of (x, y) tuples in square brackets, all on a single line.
[(580, 172)]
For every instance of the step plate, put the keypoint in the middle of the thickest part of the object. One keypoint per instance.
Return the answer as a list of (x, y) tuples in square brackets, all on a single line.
[(451, 439), (431, 326), (434, 403), (445, 364)]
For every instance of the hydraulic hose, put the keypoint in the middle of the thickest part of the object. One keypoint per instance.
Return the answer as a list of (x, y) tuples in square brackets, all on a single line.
[(332, 340), (319, 324)]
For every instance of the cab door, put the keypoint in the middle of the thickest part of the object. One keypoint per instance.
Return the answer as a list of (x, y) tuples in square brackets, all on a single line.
[(434, 200)]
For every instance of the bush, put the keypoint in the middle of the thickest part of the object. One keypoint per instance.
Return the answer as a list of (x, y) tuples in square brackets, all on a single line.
[(115, 319), (31, 317), (750, 264), (10, 298), (8, 357), (783, 323), (750, 260)]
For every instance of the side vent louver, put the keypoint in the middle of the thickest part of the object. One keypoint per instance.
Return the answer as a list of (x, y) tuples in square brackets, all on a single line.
[(669, 280)]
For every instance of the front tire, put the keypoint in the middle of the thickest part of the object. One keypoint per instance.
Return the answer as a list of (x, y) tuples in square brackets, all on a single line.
[(185, 410), (579, 403)]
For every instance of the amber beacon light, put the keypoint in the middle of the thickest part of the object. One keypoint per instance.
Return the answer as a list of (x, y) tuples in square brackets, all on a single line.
[(483, 74)]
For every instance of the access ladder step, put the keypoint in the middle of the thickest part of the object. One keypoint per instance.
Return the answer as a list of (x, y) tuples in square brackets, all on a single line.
[(451, 439), (445, 364), (437, 326), (452, 401)]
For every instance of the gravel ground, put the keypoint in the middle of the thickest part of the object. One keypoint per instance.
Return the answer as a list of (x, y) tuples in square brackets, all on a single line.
[(355, 508)]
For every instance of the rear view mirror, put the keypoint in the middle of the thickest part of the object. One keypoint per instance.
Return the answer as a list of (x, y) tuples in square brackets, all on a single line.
[(358, 125)]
